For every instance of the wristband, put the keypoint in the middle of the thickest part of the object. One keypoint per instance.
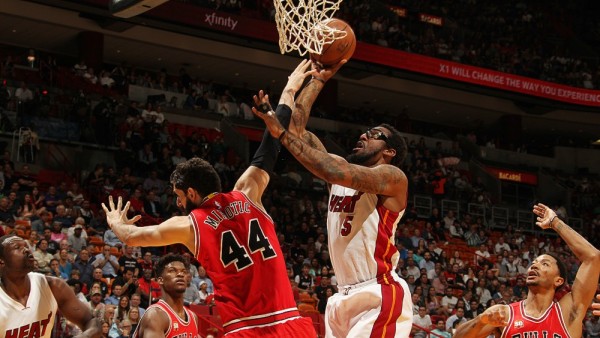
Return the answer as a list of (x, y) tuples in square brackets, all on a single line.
[(316, 78), (552, 220), (281, 135), (264, 108)]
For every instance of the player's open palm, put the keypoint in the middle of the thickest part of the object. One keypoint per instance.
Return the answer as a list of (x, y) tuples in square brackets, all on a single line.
[(296, 79), (545, 215), (496, 315), (117, 215), (325, 74)]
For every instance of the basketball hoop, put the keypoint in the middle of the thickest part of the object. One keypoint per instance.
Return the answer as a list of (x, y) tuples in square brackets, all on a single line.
[(302, 25)]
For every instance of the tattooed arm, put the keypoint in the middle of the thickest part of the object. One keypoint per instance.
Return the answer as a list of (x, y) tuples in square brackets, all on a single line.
[(383, 179), (305, 101)]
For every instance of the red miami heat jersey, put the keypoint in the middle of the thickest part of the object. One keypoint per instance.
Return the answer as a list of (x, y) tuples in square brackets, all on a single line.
[(237, 245), (178, 328), (550, 324)]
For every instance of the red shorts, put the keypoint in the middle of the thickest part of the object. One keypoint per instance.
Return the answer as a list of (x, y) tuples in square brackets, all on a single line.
[(294, 328)]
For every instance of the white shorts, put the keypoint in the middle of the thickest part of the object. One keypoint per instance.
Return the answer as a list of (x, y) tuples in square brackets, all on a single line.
[(376, 308)]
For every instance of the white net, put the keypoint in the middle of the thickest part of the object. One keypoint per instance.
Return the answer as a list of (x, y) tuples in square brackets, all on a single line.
[(302, 25)]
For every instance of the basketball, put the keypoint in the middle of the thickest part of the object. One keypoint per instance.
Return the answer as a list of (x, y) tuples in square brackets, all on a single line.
[(339, 49)]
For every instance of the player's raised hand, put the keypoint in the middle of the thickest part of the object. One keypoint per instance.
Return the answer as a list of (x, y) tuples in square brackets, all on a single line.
[(545, 215), (496, 315), (296, 78), (261, 102), (273, 125), (324, 74), (117, 216)]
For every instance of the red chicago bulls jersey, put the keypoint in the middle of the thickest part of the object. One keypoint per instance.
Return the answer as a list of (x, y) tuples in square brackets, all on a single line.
[(548, 325), (178, 328), (237, 245)]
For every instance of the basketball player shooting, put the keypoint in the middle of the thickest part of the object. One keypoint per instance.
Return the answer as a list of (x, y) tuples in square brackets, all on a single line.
[(539, 315), (368, 196)]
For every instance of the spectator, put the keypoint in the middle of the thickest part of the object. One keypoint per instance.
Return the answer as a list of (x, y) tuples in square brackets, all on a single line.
[(202, 277), (592, 327), (421, 322), (135, 301), (456, 319), (449, 302), (84, 265), (76, 240), (111, 239), (116, 293), (128, 282), (76, 286), (96, 304), (128, 262), (440, 329), (42, 256), (107, 262), (148, 288), (192, 294), (501, 246)]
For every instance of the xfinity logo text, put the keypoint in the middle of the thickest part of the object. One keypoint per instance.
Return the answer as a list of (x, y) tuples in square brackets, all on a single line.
[(225, 21)]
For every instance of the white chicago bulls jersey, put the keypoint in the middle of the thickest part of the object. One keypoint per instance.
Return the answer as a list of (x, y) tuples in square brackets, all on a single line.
[(34, 320), (361, 236)]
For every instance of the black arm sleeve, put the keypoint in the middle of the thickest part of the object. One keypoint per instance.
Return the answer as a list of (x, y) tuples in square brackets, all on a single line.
[(266, 154)]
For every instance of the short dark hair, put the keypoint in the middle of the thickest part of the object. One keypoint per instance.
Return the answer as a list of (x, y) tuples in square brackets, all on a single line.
[(2, 239), (397, 142), (197, 174), (562, 269), (165, 260)]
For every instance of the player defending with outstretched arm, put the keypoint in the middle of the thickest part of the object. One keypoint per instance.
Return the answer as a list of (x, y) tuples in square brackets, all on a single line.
[(539, 315), (29, 300), (169, 318), (232, 236), (368, 196)]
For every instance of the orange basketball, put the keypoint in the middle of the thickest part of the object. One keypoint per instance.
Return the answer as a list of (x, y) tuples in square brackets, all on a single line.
[(339, 49)]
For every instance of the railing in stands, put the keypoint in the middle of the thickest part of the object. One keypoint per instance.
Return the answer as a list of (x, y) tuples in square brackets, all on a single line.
[(211, 325), (429, 332), (448, 205), (500, 217), (58, 156), (423, 205)]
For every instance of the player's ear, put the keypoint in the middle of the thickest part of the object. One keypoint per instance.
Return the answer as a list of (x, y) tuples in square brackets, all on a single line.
[(160, 280), (390, 152), (558, 281)]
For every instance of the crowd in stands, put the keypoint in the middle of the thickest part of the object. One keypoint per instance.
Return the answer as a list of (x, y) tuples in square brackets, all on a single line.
[(532, 39), (456, 265)]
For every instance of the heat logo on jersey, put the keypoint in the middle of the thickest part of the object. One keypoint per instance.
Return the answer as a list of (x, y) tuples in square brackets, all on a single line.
[(229, 212), (32, 330), (344, 203)]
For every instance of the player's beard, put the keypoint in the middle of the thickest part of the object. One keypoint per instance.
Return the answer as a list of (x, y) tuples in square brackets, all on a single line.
[(360, 157), (189, 206)]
